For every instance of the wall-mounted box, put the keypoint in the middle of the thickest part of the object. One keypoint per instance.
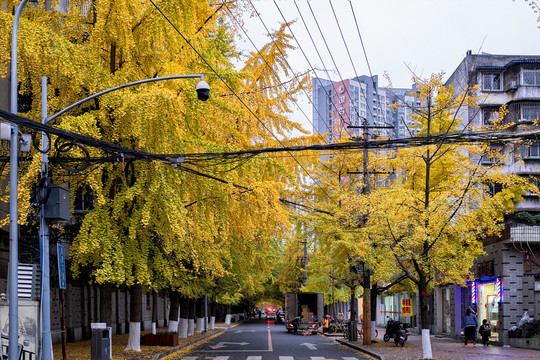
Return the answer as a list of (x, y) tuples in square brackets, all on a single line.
[(57, 206)]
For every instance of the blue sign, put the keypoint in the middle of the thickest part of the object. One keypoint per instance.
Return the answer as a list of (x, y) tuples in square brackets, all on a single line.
[(61, 266)]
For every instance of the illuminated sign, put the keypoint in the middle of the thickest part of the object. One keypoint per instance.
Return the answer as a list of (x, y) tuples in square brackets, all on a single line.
[(500, 290), (474, 292)]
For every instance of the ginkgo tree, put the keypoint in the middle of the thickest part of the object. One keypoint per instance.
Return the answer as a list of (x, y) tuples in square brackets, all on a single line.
[(428, 221), (153, 226)]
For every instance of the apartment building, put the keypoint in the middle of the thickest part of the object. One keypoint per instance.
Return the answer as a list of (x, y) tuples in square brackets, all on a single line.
[(507, 278)]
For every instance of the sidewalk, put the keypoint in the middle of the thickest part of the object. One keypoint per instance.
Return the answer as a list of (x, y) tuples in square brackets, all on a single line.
[(442, 349), (81, 349)]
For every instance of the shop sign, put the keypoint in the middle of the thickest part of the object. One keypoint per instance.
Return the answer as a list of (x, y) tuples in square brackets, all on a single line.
[(485, 269), (406, 307), (537, 286)]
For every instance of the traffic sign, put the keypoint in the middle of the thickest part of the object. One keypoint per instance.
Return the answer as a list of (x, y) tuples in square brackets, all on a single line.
[(61, 266)]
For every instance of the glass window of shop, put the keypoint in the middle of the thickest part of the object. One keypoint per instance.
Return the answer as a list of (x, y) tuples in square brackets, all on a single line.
[(488, 305)]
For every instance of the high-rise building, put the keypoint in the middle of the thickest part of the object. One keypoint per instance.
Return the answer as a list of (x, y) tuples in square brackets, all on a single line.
[(340, 108)]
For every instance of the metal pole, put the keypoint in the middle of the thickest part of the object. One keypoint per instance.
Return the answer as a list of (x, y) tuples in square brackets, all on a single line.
[(13, 204), (172, 77), (46, 340), (305, 262)]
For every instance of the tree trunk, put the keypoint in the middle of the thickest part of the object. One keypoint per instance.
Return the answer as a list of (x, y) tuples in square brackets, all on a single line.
[(184, 315), (135, 317), (191, 318), (200, 315), (105, 304), (173, 313), (212, 323), (373, 302), (426, 341), (154, 311)]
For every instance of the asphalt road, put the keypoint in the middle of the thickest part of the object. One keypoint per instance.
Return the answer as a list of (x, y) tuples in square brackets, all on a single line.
[(262, 340)]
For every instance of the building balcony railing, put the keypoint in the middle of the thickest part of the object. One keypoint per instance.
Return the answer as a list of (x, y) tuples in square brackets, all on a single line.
[(524, 233)]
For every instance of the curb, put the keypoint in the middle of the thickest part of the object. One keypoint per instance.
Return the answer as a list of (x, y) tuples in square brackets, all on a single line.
[(360, 348)]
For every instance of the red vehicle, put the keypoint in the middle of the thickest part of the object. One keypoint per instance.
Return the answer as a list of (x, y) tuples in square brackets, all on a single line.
[(270, 312)]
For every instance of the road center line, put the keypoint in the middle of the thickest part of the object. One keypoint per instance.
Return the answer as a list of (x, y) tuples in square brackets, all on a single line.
[(269, 338)]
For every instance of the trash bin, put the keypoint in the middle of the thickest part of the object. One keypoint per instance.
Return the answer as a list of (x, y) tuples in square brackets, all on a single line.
[(101, 344)]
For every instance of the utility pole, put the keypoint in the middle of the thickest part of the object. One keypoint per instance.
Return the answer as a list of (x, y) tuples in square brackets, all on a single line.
[(369, 300), (365, 273), (305, 262)]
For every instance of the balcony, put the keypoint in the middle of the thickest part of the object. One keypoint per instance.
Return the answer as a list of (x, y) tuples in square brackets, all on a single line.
[(524, 233)]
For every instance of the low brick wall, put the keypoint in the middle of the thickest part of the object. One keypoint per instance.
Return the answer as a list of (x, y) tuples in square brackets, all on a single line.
[(525, 343)]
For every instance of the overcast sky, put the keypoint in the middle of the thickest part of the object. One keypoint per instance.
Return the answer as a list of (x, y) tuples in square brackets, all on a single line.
[(427, 36)]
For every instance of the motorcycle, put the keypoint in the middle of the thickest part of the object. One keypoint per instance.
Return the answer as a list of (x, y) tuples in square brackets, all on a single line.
[(398, 331), (279, 320), (401, 336)]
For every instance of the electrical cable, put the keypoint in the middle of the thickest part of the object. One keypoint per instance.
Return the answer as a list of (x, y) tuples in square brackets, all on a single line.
[(309, 63), (271, 68), (365, 54), (229, 87), (331, 57)]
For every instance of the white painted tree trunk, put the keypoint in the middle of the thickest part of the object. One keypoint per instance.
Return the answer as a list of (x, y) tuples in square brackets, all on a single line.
[(173, 326), (373, 330), (154, 326), (426, 345), (228, 319), (200, 325), (212, 323), (191, 327), (134, 340), (183, 329)]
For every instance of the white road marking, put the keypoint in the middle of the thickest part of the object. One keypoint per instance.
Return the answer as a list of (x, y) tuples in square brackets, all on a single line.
[(310, 346), (223, 344)]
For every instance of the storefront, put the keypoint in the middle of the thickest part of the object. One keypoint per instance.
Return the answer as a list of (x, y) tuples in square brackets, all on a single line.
[(398, 307), (486, 297)]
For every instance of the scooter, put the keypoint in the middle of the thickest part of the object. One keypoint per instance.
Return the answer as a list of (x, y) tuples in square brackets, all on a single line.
[(401, 336)]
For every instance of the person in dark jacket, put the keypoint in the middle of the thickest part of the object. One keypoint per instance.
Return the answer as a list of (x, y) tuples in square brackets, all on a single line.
[(485, 331), (470, 324)]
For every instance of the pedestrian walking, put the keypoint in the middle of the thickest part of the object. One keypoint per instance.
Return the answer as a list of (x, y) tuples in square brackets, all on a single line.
[(470, 324), (485, 332)]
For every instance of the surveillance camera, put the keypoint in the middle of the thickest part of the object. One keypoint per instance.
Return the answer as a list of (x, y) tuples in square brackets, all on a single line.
[(203, 90)]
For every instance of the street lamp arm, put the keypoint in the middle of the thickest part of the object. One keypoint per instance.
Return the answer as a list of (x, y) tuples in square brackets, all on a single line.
[(172, 77)]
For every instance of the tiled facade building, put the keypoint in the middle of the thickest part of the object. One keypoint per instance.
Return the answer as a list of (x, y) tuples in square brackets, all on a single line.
[(507, 277)]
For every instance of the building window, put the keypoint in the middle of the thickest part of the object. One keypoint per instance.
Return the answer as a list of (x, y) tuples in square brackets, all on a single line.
[(491, 82), (530, 77), (530, 112), (493, 155), (536, 182), (533, 150), (84, 200), (490, 115), (494, 188)]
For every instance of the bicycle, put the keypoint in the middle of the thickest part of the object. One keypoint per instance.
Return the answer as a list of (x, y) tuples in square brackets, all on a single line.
[(335, 326)]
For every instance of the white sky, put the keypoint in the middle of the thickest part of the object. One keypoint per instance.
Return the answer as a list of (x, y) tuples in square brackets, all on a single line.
[(428, 36)]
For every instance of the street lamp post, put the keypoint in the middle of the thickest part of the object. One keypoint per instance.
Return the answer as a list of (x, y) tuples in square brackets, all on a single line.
[(13, 203)]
